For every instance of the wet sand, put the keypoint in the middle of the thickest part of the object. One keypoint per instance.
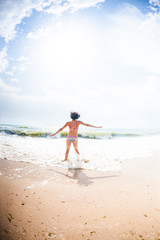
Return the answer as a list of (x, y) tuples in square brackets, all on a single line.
[(38, 202)]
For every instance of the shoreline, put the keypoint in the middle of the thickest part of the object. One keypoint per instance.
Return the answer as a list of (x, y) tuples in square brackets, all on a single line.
[(43, 203)]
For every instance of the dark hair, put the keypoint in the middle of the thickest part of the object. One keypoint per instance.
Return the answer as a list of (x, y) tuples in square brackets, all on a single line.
[(74, 115)]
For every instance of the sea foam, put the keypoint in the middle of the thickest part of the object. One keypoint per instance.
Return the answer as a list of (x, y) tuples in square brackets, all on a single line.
[(100, 154)]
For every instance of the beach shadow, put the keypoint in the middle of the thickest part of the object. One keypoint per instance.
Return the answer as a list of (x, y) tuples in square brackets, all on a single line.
[(81, 176)]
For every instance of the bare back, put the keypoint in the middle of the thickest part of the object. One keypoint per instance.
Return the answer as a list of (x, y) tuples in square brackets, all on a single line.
[(73, 127)]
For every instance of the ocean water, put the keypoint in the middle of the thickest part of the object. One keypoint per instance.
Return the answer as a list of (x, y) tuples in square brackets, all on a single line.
[(104, 149)]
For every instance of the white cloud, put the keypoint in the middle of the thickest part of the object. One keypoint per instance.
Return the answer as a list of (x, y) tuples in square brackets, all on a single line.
[(80, 4), (14, 68), (21, 59), (3, 60), (17, 68), (155, 5), (41, 32), (73, 5), (22, 67), (133, 39), (7, 89), (9, 73), (155, 2), (14, 80), (12, 12)]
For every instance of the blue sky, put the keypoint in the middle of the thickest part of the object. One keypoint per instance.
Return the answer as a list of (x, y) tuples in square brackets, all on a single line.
[(98, 57)]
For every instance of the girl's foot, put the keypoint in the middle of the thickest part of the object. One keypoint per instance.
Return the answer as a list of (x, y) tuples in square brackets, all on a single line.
[(85, 160), (64, 160)]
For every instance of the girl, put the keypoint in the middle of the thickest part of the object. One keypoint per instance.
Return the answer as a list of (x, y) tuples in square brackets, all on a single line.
[(73, 132)]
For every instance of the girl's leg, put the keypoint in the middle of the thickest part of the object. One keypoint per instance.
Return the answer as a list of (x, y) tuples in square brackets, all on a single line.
[(68, 145), (75, 144)]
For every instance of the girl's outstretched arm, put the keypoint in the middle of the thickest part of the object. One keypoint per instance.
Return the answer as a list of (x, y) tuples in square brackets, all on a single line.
[(89, 125), (59, 130)]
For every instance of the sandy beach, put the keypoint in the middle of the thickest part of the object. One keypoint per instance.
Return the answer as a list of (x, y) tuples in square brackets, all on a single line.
[(38, 202)]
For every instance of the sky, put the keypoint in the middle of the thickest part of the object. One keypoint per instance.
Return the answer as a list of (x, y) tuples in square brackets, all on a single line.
[(100, 58)]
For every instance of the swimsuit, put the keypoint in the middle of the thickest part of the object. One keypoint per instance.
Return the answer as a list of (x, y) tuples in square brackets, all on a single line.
[(72, 138), (76, 128)]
